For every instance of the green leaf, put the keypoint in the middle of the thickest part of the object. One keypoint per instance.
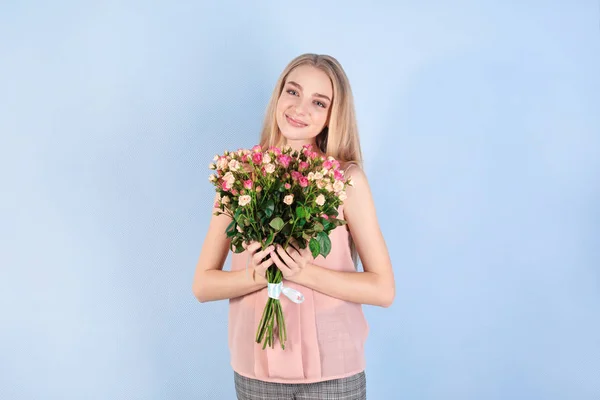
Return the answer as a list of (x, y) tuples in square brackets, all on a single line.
[(318, 227), (315, 248), (300, 212), (324, 243), (269, 208), (287, 230), (277, 223), (230, 231), (270, 239), (301, 223)]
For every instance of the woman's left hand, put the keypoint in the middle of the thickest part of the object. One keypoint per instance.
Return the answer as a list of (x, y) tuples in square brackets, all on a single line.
[(292, 262)]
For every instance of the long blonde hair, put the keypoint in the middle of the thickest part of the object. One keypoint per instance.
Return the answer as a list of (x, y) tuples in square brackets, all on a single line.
[(340, 137)]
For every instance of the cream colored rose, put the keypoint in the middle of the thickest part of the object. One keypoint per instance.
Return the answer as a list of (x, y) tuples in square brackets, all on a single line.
[(311, 176), (329, 187), (225, 200), (342, 195), (289, 199), (266, 158), (216, 157), (318, 176), (320, 200), (229, 178), (270, 168), (212, 166), (321, 184), (222, 163), (234, 165), (338, 185), (212, 178), (245, 199)]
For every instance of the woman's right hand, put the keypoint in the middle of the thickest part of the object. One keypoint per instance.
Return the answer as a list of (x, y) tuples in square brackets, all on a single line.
[(258, 262)]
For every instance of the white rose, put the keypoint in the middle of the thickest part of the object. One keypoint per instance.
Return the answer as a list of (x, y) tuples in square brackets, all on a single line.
[(245, 199), (229, 178), (234, 165), (342, 195), (329, 187), (289, 199), (216, 157), (222, 163), (338, 185), (321, 184), (270, 168), (320, 200), (318, 175), (311, 176), (266, 158)]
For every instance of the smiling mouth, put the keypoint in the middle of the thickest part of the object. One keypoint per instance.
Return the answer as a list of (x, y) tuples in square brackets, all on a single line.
[(295, 122)]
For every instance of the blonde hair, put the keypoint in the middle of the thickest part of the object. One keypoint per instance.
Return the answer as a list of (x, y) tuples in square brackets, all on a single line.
[(339, 138)]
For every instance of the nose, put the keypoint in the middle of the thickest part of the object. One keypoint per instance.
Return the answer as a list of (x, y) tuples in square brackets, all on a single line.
[(300, 108)]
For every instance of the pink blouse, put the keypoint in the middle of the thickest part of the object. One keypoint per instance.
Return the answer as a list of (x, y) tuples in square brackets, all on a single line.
[(326, 336)]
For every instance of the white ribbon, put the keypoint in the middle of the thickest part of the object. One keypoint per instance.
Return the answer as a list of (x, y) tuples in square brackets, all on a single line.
[(276, 289)]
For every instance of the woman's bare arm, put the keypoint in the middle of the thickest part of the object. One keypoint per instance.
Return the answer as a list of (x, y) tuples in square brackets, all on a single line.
[(210, 281), (376, 284)]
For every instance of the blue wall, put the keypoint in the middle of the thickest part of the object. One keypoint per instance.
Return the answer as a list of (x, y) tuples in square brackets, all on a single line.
[(480, 125)]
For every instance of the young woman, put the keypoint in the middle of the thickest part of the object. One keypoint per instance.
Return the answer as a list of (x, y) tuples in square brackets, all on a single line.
[(312, 104)]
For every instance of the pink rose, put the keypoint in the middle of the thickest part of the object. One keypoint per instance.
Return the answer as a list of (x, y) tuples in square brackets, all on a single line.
[(275, 150), (225, 185), (234, 192), (258, 188), (248, 184), (303, 165), (257, 158), (327, 164), (284, 160), (338, 175), (287, 186), (296, 175), (324, 216), (257, 149), (303, 181)]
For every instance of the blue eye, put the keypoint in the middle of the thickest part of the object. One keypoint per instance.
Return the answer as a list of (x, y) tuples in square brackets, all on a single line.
[(291, 90)]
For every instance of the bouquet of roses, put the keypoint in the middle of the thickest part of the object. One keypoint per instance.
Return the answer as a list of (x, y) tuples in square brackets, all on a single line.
[(275, 196)]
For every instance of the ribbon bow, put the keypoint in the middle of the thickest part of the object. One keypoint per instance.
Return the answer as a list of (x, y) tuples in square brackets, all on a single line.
[(276, 289)]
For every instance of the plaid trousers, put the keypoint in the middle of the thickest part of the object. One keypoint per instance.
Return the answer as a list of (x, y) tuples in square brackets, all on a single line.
[(351, 388)]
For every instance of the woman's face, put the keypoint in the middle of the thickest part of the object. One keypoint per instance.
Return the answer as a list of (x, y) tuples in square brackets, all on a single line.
[(303, 105)]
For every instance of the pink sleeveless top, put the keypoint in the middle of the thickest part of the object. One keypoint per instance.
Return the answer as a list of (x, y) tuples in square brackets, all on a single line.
[(326, 336)]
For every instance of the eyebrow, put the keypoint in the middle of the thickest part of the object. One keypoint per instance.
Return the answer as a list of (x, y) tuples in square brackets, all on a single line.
[(316, 94)]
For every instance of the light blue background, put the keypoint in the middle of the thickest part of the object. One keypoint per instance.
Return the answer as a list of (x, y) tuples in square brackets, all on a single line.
[(480, 124)]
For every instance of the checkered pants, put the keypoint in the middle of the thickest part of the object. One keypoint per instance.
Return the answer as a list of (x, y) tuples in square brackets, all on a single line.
[(351, 388)]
